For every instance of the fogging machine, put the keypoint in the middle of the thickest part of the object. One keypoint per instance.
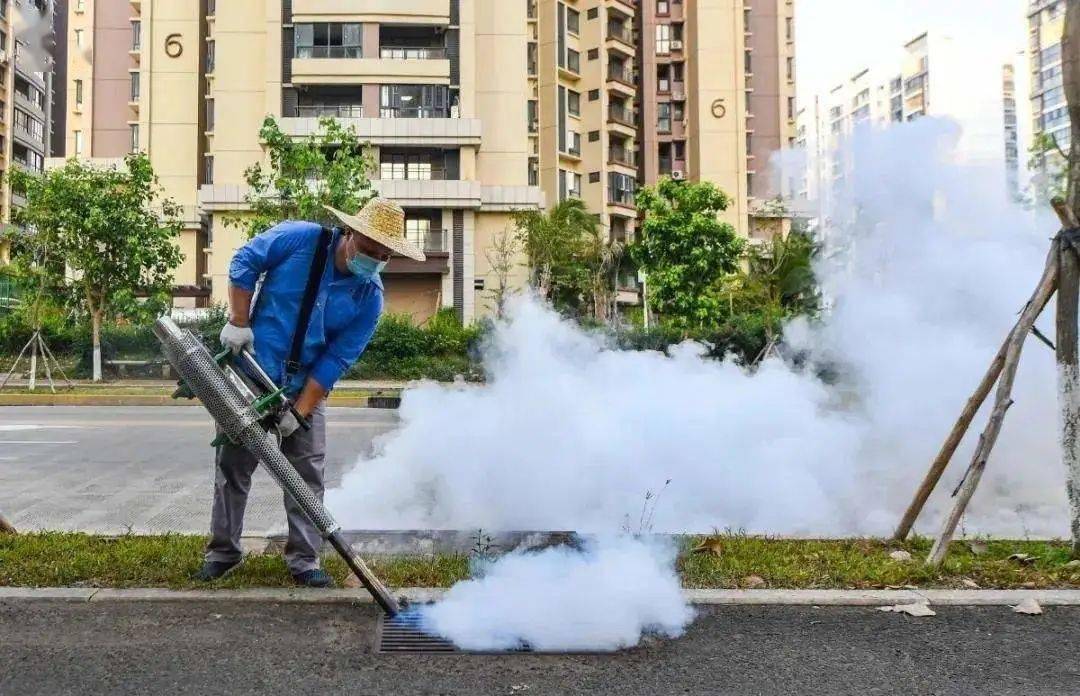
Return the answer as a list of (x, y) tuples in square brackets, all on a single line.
[(246, 404)]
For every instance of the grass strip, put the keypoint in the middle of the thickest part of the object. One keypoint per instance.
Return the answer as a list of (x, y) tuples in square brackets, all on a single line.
[(60, 559)]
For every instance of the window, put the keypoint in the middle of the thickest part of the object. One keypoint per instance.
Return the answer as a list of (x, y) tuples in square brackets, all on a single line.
[(78, 93), (328, 40), (78, 143), (415, 166), (29, 125), (532, 114), (677, 111), (663, 7), (573, 102), (134, 137), (663, 82), (569, 185), (663, 39), (415, 101), (208, 169), (594, 177), (594, 136), (663, 118), (749, 60), (594, 94), (790, 68), (210, 56), (134, 86), (80, 5), (789, 25), (573, 21), (136, 35), (621, 188), (573, 60), (593, 13), (79, 37), (210, 115), (791, 107), (534, 172), (531, 59), (418, 231), (594, 53)]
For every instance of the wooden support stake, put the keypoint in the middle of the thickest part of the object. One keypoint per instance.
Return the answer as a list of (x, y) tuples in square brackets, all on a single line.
[(1002, 402), (960, 428)]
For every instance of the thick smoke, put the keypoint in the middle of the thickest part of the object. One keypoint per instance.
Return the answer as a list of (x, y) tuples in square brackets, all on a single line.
[(603, 597), (926, 267)]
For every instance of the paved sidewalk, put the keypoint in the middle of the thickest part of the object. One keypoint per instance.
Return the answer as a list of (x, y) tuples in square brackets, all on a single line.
[(108, 470)]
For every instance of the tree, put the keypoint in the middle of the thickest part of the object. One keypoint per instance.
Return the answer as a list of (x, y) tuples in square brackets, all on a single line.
[(685, 250), (601, 257), (555, 245), (502, 256), (782, 271), (329, 167), (103, 240)]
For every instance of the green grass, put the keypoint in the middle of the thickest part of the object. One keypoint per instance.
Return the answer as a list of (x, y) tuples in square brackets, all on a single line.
[(57, 559)]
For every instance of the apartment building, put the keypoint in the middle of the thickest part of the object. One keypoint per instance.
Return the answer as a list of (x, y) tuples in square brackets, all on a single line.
[(191, 82), (28, 74), (934, 74), (1049, 112)]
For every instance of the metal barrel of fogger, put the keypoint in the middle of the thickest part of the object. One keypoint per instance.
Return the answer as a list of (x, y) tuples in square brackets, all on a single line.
[(229, 409)]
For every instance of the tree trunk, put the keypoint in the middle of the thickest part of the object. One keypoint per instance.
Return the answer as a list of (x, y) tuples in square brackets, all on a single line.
[(96, 323), (6, 527), (1069, 281)]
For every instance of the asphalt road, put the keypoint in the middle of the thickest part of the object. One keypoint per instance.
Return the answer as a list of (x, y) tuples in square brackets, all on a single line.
[(219, 648), (147, 469)]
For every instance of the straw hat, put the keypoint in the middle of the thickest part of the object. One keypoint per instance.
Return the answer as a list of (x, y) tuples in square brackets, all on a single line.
[(382, 221)]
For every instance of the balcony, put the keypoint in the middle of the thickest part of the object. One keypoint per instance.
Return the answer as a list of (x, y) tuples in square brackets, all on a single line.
[(329, 111), (530, 9), (432, 241), (621, 197), (621, 73), (620, 32), (621, 115), (412, 52), (413, 132), (622, 155), (414, 112)]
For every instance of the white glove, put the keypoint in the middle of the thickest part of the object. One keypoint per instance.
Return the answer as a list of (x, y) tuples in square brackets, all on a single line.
[(287, 425), (237, 338)]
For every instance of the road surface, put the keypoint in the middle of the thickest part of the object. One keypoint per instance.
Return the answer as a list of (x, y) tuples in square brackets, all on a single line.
[(60, 648), (148, 469)]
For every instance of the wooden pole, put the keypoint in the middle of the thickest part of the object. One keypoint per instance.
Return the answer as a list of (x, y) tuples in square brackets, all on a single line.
[(1068, 303), (1002, 402), (960, 428)]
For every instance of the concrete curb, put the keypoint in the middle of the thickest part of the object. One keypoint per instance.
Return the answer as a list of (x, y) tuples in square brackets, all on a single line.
[(137, 400), (834, 598)]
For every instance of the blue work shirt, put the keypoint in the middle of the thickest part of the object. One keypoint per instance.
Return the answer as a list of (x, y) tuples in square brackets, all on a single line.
[(343, 319)]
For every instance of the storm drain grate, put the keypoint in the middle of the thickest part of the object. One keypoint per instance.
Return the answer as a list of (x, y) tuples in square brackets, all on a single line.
[(404, 634)]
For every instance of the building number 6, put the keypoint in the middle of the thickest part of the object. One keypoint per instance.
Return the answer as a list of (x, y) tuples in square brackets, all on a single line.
[(173, 47), (718, 108)]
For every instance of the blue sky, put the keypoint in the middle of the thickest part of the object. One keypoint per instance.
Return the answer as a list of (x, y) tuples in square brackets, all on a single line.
[(836, 37)]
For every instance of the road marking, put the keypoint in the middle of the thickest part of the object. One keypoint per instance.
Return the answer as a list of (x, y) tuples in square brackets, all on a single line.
[(39, 442), (33, 426)]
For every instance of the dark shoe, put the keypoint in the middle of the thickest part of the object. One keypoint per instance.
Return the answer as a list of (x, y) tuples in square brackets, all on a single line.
[(314, 578), (215, 570)]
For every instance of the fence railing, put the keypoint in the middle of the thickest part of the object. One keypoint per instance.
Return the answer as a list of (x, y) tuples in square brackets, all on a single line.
[(330, 110), (620, 73), (412, 52), (414, 112), (620, 114), (431, 241)]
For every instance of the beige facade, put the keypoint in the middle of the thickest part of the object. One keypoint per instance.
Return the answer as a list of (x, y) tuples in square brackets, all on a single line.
[(718, 99), (1046, 27), (413, 77)]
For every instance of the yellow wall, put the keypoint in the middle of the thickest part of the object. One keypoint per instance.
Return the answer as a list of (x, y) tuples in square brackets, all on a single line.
[(388, 11), (488, 227), (717, 145), (355, 71)]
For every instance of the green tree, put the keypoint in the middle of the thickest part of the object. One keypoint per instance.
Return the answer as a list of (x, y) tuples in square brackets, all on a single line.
[(555, 245), (782, 271), (685, 250), (102, 240), (1051, 165), (329, 167)]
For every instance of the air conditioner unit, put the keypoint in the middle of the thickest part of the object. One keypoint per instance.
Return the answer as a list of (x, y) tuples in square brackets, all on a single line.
[(678, 174), (676, 45)]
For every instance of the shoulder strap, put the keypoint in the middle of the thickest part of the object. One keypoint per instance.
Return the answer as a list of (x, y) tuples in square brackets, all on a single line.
[(311, 292)]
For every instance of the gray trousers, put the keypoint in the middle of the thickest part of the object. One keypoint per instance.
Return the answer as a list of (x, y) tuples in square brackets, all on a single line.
[(306, 449)]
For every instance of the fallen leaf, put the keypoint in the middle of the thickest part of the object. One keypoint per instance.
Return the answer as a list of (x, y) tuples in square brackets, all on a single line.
[(753, 582), (712, 546), (352, 582), (915, 609), (970, 584), (1029, 585), (900, 555), (1028, 606), (978, 547), (1022, 558)]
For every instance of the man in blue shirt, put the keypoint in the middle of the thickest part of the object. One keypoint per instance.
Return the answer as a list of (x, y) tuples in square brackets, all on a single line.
[(342, 320)]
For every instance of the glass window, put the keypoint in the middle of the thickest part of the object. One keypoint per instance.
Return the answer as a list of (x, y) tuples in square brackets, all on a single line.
[(136, 35), (663, 118), (573, 21), (78, 92), (573, 60), (415, 101), (663, 39), (418, 231), (134, 86), (78, 143), (134, 137), (663, 7), (327, 40), (573, 102)]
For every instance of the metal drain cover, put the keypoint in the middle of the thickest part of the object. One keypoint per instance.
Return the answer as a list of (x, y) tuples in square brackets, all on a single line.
[(403, 634)]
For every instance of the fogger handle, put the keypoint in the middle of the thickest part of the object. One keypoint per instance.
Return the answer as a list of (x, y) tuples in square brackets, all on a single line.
[(266, 383)]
